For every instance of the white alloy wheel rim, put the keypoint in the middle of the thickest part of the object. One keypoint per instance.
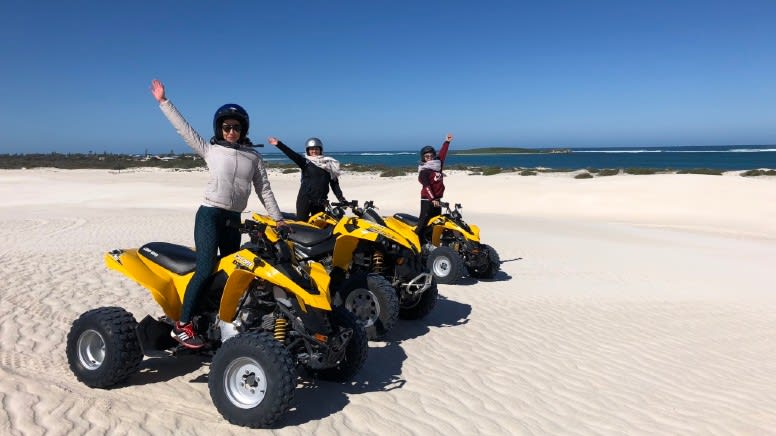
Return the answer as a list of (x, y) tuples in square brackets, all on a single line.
[(441, 266), (245, 383), (364, 305), (91, 349)]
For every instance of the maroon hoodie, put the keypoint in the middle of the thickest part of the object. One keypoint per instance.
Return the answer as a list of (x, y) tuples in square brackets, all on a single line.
[(433, 185)]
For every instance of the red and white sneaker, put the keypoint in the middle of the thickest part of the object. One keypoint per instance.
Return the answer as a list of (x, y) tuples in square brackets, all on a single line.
[(185, 334)]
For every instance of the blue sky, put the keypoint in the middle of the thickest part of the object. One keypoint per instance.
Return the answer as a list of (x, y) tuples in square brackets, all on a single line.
[(380, 75)]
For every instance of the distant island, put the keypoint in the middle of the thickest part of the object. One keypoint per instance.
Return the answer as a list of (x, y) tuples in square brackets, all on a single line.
[(510, 150)]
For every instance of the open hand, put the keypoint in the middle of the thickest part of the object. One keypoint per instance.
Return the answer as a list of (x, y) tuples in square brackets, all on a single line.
[(157, 90), (272, 140), (449, 137)]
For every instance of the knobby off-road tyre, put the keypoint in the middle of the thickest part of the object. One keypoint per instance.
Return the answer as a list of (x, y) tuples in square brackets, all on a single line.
[(102, 347), (252, 380), (494, 265), (422, 306), (373, 301), (446, 265), (355, 352)]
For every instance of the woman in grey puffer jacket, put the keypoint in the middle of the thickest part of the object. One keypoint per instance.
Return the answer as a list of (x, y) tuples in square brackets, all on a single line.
[(234, 166)]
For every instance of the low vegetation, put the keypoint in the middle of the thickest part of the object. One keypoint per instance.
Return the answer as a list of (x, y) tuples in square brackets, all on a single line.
[(584, 175), (641, 171), (756, 173), (706, 171)]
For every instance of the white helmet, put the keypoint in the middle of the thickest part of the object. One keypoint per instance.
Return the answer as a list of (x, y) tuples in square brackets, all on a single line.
[(312, 143)]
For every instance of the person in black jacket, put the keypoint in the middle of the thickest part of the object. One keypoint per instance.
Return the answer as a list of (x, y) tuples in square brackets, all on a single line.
[(318, 173)]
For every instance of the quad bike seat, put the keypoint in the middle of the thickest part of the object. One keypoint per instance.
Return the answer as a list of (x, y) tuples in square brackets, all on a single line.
[(289, 216), (307, 235), (176, 258), (408, 219)]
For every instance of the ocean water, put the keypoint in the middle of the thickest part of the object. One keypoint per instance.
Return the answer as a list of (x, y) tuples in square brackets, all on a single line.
[(734, 157)]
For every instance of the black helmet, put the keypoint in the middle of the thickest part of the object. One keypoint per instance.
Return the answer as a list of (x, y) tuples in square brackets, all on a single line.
[(234, 112), (312, 143), (427, 149)]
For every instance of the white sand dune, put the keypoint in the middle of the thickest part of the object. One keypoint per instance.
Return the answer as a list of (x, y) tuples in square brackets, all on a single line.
[(626, 305)]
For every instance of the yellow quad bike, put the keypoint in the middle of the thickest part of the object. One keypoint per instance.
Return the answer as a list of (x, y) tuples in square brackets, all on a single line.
[(261, 318), (454, 244), (352, 248)]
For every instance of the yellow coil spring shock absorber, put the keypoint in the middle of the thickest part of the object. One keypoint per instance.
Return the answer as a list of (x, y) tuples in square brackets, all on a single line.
[(281, 328), (377, 262)]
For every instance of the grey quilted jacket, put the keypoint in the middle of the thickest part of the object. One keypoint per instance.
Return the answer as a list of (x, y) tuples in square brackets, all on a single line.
[(232, 170)]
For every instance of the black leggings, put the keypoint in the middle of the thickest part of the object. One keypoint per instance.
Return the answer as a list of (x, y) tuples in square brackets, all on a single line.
[(306, 207), (211, 237), (427, 211)]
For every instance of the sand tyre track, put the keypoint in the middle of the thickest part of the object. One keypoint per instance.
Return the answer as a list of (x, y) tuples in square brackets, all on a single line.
[(421, 306), (446, 265), (373, 301), (252, 380), (355, 351), (102, 347), (494, 265)]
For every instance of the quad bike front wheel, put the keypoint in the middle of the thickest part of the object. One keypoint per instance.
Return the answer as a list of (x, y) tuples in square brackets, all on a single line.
[(446, 265), (252, 380), (102, 347), (491, 268), (373, 301), (355, 352)]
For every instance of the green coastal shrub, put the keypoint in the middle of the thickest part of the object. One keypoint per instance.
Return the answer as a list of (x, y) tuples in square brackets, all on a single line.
[(608, 172), (583, 176), (528, 173), (706, 171), (640, 171), (489, 171), (556, 170), (291, 170), (755, 173), (393, 172)]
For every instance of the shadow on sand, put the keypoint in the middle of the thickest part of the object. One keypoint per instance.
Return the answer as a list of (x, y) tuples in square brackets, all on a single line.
[(162, 369), (381, 372), (316, 399)]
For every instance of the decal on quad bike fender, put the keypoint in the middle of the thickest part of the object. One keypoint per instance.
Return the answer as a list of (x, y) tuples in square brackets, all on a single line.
[(161, 287)]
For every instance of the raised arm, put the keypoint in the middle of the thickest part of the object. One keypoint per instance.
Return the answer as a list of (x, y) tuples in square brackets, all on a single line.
[(189, 135), (443, 149), (294, 156)]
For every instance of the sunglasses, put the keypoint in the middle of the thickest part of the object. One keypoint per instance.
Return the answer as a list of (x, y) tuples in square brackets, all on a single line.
[(229, 127)]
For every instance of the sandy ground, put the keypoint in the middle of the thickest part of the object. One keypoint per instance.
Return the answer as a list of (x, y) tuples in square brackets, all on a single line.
[(626, 305)]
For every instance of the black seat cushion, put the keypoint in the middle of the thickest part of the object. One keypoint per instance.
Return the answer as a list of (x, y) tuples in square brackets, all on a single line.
[(289, 216), (176, 258), (412, 220), (307, 235)]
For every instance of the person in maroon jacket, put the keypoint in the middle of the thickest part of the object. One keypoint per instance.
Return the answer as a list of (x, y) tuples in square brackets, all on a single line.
[(431, 178)]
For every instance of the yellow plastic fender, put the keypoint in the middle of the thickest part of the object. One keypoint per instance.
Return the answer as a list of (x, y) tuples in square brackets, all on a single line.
[(404, 230), (162, 287), (242, 267)]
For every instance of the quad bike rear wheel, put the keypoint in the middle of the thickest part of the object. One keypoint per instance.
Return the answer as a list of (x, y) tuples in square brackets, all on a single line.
[(355, 352), (102, 347), (493, 266), (252, 380), (446, 265), (373, 301)]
